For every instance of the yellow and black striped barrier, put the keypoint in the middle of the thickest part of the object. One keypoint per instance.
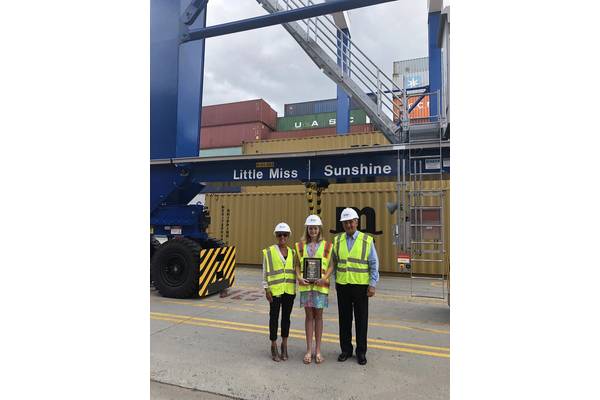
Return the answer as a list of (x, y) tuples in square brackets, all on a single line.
[(217, 270)]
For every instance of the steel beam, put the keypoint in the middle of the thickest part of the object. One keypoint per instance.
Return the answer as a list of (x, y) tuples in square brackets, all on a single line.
[(416, 103), (343, 100), (193, 11), (279, 18)]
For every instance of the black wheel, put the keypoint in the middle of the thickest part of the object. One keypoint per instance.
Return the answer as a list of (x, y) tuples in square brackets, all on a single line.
[(154, 245), (175, 268)]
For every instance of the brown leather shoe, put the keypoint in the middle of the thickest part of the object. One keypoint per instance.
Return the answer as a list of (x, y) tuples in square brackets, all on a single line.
[(274, 354), (284, 353)]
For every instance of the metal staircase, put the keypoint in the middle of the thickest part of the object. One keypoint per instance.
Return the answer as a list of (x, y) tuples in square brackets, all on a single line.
[(333, 52)]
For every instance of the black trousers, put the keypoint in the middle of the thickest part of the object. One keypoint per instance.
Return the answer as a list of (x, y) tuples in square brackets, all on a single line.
[(285, 302), (353, 298)]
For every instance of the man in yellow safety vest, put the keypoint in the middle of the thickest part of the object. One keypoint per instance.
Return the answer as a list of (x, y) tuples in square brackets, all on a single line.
[(356, 275)]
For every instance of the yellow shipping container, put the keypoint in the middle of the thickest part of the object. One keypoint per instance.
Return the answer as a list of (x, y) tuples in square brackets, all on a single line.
[(314, 143), (334, 187), (252, 216)]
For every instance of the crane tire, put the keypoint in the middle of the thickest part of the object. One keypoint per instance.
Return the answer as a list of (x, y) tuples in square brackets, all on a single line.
[(175, 268)]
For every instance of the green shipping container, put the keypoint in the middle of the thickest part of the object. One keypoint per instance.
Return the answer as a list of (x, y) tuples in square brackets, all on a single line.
[(315, 121)]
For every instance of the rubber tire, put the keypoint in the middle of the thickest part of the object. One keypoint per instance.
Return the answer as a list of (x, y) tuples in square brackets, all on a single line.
[(154, 245), (186, 252)]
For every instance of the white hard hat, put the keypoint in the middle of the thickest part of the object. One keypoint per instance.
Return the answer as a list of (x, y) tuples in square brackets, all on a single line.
[(313, 220), (348, 214), (282, 227)]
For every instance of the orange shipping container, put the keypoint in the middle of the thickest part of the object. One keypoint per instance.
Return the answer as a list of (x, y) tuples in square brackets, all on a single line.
[(419, 114)]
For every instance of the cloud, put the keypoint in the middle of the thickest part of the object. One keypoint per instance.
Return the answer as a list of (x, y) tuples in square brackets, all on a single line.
[(267, 63)]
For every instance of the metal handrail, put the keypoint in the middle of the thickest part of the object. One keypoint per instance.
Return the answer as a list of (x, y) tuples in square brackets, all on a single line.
[(353, 52), (422, 119), (350, 49), (374, 84)]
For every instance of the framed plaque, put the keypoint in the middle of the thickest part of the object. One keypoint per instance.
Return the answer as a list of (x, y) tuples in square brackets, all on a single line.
[(311, 270)]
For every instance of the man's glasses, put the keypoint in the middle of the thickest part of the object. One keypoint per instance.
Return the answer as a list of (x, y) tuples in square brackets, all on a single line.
[(282, 234)]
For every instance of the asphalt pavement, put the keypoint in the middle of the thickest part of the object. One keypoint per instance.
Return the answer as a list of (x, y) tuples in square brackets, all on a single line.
[(219, 346)]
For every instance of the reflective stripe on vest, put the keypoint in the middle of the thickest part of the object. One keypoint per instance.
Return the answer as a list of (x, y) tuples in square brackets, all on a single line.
[(353, 266), (324, 253), (280, 278)]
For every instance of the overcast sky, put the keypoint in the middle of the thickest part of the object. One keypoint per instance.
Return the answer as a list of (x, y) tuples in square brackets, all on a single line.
[(267, 63)]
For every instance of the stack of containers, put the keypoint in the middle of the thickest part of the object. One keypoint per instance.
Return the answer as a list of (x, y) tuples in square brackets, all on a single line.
[(412, 74), (226, 126), (318, 118), (257, 207)]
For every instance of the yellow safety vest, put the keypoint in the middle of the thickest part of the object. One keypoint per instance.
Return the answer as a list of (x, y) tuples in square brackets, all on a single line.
[(324, 253), (352, 266), (280, 278)]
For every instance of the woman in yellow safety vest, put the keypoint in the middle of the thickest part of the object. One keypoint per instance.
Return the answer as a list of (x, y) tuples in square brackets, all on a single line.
[(313, 295), (279, 282)]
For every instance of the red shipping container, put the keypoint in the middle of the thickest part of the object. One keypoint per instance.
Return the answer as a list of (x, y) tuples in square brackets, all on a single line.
[(319, 132), (232, 135), (241, 112)]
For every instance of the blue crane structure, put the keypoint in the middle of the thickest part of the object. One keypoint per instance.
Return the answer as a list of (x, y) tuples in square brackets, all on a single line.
[(190, 263)]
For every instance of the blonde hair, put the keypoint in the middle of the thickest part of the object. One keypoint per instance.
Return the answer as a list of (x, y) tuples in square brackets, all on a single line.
[(306, 237)]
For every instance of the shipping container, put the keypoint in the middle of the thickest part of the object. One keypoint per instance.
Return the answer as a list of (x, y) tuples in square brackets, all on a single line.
[(419, 114), (232, 135), (319, 132), (313, 143), (309, 107), (333, 187), (252, 217), (239, 113), (411, 73), (316, 107), (220, 189), (221, 151), (315, 121)]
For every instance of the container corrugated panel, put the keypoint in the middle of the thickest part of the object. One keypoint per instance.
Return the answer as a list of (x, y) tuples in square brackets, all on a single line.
[(304, 133), (329, 106), (309, 107), (253, 216), (232, 135), (221, 151), (413, 65), (334, 187), (419, 114), (315, 121), (290, 145), (315, 107), (414, 72), (221, 189), (239, 113)]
